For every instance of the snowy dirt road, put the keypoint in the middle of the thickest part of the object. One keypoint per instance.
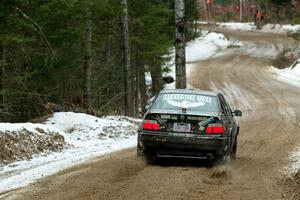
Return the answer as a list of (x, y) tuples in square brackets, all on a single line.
[(266, 138)]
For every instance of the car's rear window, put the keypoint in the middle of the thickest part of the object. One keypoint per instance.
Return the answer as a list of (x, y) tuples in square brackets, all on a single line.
[(192, 102)]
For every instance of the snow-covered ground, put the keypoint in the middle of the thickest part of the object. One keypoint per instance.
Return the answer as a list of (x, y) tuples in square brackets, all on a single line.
[(294, 168), (267, 28), (290, 75), (206, 46), (87, 137)]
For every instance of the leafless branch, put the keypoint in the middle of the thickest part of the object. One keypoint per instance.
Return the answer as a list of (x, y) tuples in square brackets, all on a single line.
[(37, 28), (114, 99)]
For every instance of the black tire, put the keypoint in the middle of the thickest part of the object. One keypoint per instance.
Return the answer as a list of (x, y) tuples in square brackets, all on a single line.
[(234, 150), (139, 152), (150, 156), (230, 155)]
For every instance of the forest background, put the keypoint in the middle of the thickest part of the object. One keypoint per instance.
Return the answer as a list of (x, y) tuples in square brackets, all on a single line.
[(68, 55)]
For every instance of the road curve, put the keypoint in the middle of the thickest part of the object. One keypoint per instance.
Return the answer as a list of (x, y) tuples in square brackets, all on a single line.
[(266, 138)]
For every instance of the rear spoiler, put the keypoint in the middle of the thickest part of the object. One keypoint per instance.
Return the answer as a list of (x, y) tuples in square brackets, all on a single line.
[(208, 114)]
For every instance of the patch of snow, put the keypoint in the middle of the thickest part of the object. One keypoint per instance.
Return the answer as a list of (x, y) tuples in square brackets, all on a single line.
[(88, 137), (290, 75), (83, 129), (237, 26), (294, 168), (16, 127), (280, 29), (267, 28), (203, 47)]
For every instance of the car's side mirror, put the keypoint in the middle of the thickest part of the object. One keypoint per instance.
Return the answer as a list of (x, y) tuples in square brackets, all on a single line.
[(168, 79), (237, 113)]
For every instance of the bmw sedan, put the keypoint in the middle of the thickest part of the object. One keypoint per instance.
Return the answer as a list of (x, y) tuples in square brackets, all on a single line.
[(184, 123)]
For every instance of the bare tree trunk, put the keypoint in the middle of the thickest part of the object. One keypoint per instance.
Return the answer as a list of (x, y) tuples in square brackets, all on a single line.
[(180, 44), (241, 10), (205, 10), (88, 63), (2, 76), (135, 77), (157, 80), (199, 6), (288, 11), (246, 6), (127, 63), (209, 12), (143, 90), (3, 55)]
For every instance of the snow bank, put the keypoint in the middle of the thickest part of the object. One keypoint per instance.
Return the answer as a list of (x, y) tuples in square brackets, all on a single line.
[(268, 28), (280, 29), (204, 47), (86, 137), (290, 75), (83, 130), (23, 140), (237, 26)]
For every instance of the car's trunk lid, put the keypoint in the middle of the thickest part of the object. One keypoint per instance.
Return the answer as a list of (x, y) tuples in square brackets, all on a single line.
[(182, 123)]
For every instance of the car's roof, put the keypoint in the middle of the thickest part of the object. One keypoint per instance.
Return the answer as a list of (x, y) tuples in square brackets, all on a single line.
[(189, 91)]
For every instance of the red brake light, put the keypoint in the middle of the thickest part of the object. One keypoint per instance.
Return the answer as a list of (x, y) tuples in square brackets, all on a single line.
[(150, 125), (215, 129)]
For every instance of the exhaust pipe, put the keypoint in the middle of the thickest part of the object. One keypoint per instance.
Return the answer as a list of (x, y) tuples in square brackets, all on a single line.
[(209, 156)]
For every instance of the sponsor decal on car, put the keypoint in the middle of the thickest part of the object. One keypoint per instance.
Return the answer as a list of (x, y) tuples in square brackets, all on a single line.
[(186, 100)]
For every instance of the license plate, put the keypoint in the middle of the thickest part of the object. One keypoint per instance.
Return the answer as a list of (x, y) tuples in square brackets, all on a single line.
[(188, 135), (180, 127)]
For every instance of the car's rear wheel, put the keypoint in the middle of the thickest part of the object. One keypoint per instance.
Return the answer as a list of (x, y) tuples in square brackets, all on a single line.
[(139, 149), (234, 150), (230, 154), (150, 155), (139, 152)]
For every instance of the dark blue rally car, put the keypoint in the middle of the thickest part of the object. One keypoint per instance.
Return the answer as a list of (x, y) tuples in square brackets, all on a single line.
[(184, 123)]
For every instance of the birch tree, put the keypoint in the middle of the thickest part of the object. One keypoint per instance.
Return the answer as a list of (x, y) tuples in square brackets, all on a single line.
[(180, 44), (127, 63)]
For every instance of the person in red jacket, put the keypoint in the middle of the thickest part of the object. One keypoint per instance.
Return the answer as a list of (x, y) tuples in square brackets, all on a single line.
[(208, 9), (258, 17)]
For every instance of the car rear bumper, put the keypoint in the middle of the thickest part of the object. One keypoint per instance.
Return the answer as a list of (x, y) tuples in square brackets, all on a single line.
[(183, 145)]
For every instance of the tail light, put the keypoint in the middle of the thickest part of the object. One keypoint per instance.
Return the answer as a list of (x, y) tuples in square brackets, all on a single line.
[(151, 125), (215, 129)]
